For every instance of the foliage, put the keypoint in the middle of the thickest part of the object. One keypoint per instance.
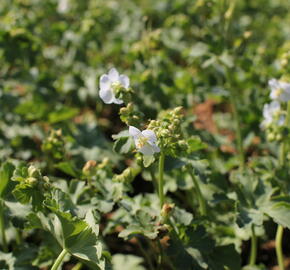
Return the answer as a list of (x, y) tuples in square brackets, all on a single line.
[(71, 177)]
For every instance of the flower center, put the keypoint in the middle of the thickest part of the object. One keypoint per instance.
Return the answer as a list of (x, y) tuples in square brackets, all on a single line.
[(141, 142)]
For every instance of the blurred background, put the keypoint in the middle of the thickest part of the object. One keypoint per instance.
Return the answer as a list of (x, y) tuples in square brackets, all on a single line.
[(176, 53)]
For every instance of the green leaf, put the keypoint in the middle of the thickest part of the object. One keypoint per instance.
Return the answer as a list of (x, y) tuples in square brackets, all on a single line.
[(123, 142), (148, 160), (128, 262), (279, 211), (195, 144), (73, 234), (62, 114), (6, 172), (181, 216), (25, 193), (225, 257), (67, 167)]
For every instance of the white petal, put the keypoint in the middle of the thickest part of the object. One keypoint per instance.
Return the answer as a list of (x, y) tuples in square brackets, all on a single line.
[(147, 150), (285, 86), (285, 97), (124, 80), (273, 83), (134, 132), (118, 101), (106, 95), (155, 148), (113, 75), (105, 83), (281, 120), (274, 105), (150, 135)]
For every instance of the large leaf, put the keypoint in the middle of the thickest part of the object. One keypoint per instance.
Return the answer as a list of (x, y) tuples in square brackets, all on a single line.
[(73, 234)]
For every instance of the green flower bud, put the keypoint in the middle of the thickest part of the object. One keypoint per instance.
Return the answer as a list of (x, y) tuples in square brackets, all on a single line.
[(271, 137), (33, 172)]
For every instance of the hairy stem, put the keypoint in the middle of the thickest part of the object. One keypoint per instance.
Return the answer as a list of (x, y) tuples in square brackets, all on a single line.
[(59, 260), (282, 159), (161, 181), (253, 254), (279, 252), (201, 200), (2, 227)]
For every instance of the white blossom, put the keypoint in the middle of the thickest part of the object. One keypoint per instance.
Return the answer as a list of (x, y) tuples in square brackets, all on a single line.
[(279, 90), (107, 84), (63, 6), (272, 113), (145, 141)]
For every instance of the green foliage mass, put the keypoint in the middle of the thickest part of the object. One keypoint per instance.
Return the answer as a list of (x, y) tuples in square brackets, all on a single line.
[(71, 177)]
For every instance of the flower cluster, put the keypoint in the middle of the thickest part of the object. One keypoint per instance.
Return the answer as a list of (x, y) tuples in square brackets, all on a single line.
[(163, 134), (168, 129), (114, 88), (54, 145), (274, 112)]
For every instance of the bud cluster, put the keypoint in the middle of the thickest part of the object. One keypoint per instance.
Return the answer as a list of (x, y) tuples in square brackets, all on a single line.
[(30, 176), (122, 93), (93, 171), (168, 131), (127, 176), (130, 116), (53, 145)]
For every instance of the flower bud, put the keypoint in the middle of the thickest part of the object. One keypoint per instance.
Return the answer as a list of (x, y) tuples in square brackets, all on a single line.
[(33, 172), (166, 209), (271, 137), (90, 167), (31, 180)]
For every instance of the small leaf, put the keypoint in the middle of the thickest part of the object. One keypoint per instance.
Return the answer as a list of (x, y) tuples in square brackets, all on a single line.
[(148, 160), (6, 172)]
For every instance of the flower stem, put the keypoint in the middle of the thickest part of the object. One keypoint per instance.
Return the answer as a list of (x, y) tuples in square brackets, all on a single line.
[(2, 227), (201, 200), (161, 181), (282, 160), (253, 255), (279, 252), (59, 260)]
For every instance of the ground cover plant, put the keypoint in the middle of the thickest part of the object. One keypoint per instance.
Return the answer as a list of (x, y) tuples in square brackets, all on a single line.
[(141, 134)]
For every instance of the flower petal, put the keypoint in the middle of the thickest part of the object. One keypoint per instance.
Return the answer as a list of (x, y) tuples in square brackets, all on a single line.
[(274, 105), (281, 120), (273, 83), (118, 101), (124, 80), (105, 83), (155, 148), (106, 95), (150, 135), (134, 132), (147, 150), (113, 75)]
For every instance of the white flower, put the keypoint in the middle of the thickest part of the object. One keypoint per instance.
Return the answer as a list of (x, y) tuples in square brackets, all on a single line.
[(107, 84), (63, 6), (145, 141), (279, 90), (272, 112)]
